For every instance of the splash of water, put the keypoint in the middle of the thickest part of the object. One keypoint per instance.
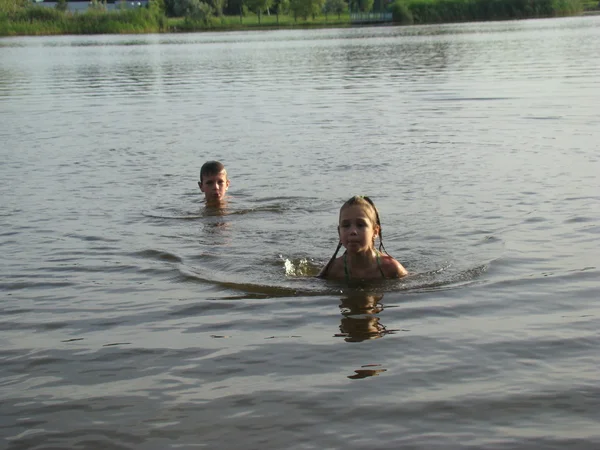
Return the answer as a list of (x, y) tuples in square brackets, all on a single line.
[(299, 268)]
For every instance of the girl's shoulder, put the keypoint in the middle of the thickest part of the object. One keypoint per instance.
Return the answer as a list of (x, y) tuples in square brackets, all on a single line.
[(336, 269), (392, 268)]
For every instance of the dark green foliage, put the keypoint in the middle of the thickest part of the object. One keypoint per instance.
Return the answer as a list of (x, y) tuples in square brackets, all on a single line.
[(438, 11), (192, 10), (335, 7), (401, 13), (281, 7), (39, 14), (138, 20), (306, 8), (175, 8), (590, 5), (300, 8), (61, 5), (218, 6), (233, 7), (157, 6), (259, 6), (198, 11), (365, 5)]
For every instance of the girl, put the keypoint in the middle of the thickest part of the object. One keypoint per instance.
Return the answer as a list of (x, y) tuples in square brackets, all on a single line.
[(358, 228)]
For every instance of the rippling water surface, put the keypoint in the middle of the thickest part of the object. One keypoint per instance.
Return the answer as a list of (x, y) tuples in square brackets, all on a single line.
[(133, 318)]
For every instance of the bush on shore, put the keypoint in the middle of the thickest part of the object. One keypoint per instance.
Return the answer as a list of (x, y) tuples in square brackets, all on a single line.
[(438, 11), (41, 20)]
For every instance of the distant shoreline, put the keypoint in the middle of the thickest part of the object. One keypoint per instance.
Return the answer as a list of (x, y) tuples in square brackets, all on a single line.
[(38, 20)]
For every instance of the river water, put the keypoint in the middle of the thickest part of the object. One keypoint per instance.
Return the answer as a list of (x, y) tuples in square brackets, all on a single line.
[(133, 318)]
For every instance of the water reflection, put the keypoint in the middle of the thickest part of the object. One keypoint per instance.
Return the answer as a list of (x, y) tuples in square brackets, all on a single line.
[(215, 215), (8, 78), (360, 320), (366, 373), (105, 79)]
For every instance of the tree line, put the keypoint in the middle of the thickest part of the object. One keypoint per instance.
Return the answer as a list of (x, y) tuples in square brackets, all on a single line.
[(22, 17), (298, 9)]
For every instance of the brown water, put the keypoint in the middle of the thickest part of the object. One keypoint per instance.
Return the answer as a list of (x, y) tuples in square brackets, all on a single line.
[(132, 318)]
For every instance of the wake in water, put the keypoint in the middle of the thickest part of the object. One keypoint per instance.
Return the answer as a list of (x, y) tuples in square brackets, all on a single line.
[(231, 208), (300, 280), (204, 213), (227, 251)]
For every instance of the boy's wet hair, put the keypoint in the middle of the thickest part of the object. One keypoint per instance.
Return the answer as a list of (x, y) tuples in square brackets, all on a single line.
[(211, 168), (361, 200)]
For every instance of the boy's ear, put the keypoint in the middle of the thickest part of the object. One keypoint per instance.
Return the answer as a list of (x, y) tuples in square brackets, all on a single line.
[(200, 186), (339, 235), (228, 183)]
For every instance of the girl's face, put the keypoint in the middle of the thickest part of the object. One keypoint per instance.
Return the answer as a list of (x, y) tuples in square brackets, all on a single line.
[(357, 229)]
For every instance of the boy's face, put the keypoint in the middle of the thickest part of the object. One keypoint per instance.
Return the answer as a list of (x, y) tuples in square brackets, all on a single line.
[(214, 187)]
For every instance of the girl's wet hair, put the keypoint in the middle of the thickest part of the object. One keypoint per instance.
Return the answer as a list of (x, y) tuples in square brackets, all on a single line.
[(357, 200)]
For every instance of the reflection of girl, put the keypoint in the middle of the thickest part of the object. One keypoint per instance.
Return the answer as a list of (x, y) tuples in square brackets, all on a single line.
[(359, 226), (358, 329), (360, 322), (361, 303)]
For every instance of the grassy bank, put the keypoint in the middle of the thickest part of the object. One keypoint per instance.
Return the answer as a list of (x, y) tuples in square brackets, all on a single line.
[(251, 21), (38, 20)]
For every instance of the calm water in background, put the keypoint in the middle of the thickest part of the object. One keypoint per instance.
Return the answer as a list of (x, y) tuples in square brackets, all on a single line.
[(132, 318)]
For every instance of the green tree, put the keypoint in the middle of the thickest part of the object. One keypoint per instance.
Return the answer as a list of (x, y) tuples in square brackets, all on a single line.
[(258, 6), (177, 8), (365, 5), (62, 5), (198, 11), (300, 8), (305, 8), (335, 7), (281, 7), (316, 7), (218, 6), (401, 13), (157, 6)]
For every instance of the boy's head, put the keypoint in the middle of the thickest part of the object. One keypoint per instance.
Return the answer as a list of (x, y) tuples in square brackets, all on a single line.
[(213, 181)]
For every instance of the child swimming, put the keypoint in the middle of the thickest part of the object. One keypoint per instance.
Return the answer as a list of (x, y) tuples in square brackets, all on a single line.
[(213, 183), (359, 226)]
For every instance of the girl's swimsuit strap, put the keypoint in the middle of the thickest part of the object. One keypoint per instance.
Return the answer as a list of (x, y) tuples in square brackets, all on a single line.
[(379, 264), (346, 272)]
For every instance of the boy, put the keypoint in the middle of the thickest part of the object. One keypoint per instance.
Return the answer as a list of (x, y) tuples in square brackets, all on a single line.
[(213, 182)]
